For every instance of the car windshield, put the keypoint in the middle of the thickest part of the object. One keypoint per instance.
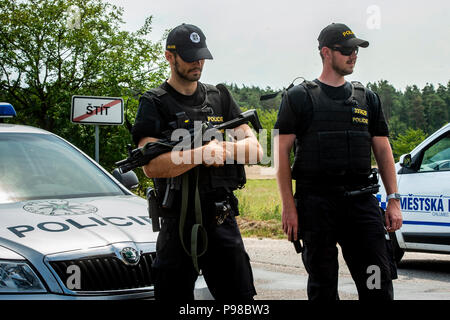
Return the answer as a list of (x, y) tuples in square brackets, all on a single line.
[(437, 157), (42, 166)]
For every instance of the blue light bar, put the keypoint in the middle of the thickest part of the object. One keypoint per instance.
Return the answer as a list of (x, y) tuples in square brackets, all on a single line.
[(7, 110)]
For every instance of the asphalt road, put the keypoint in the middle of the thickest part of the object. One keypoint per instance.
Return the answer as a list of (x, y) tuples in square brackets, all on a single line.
[(279, 274)]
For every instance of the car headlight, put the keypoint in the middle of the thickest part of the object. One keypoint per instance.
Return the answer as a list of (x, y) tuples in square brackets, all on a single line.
[(18, 277)]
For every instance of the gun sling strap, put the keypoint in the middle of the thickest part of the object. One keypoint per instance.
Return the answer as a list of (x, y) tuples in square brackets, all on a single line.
[(197, 228)]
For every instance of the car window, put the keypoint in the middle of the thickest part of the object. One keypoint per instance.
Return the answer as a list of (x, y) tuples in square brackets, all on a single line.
[(437, 157), (41, 166)]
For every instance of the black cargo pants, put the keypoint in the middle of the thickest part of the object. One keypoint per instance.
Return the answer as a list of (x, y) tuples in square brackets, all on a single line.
[(356, 224), (225, 265)]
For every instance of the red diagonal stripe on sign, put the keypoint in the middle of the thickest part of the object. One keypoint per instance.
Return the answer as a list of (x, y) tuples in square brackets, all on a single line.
[(84, 116)]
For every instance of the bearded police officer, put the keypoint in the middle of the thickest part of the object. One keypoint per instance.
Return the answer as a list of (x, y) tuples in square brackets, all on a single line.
[(198, 226), (335, 124)]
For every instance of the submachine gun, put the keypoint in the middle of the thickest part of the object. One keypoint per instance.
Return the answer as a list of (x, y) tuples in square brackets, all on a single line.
[(371, 188), (141, 156)]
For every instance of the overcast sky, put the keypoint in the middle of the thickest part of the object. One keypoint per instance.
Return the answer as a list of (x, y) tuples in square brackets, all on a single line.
[(271, 42)]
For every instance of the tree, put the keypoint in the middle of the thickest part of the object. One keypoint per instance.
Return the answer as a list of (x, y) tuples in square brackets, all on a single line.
[(249, 97), (388, 96), (416, 109), (405, 143), (396, 127), (53, 49), (436, 109), (444, 93)]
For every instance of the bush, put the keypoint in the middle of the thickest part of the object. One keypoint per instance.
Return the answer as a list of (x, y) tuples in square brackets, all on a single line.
[(407, 142)]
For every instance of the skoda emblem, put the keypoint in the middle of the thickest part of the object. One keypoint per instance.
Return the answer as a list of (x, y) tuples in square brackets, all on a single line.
[(195, 38), (130, 256)]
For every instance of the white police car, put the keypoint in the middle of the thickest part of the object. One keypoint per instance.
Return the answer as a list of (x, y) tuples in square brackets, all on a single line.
[(423, 178), (68, 229)]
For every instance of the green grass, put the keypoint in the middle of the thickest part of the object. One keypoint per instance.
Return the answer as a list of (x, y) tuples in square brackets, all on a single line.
[(260, 209)]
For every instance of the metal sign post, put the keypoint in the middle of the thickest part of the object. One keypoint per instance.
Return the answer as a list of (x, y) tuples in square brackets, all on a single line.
[(97, 144), (97, 111)]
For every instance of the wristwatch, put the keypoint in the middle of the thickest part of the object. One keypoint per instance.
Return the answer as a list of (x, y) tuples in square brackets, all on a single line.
[(393, 196)]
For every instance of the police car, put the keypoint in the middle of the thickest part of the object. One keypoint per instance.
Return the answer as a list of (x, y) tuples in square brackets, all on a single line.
[(68, 229), (423, 178)]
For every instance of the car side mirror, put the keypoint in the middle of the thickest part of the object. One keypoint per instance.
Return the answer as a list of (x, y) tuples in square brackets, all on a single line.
[(405, 160), (128, 179)]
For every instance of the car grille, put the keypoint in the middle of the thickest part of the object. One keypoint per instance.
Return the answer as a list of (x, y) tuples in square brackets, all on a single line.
[(107, 273)]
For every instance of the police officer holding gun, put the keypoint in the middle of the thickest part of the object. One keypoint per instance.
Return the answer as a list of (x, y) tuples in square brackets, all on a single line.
[(335, 124), (195, 198)]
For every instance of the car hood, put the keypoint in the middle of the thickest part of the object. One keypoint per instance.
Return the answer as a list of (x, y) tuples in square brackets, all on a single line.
[(62, 225)]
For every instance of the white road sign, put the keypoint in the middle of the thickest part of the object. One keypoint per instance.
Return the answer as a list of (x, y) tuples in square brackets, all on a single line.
[(97, 110)]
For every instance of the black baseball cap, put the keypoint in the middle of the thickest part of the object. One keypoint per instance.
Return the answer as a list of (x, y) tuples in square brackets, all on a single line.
[(339, 33), (189, 42)]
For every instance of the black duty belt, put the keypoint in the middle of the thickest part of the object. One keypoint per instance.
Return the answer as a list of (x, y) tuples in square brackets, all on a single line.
[(346, 191)]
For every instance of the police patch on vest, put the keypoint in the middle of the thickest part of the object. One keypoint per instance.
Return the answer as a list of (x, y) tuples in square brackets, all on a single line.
[(360, 111), (360, 116), (358, 120), (215, 119)]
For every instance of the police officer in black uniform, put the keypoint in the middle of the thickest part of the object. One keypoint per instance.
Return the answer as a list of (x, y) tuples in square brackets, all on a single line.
[(335, 124), (198, 228)]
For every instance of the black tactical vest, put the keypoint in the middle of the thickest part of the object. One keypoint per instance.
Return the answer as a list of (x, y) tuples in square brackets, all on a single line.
[(228, 177), (337, 144)]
